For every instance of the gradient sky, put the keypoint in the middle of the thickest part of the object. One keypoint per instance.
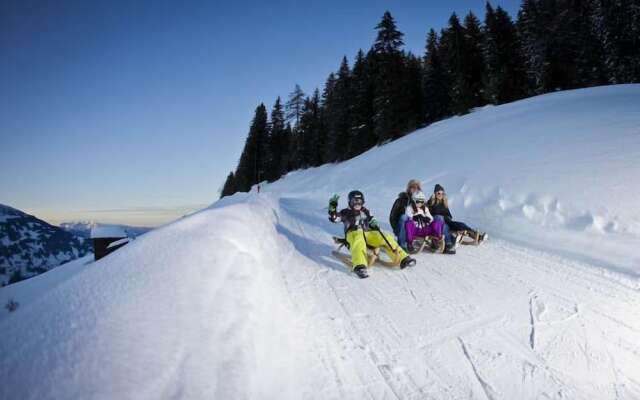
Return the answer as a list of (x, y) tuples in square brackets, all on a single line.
[(135, 112)]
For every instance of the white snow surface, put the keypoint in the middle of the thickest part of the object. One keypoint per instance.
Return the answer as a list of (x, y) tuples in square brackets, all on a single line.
[(243, 300)]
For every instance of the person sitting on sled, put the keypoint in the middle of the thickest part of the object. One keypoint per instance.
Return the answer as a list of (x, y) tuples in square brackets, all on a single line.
[(420, 223), (361, 230), (398, 217), (439, 208)]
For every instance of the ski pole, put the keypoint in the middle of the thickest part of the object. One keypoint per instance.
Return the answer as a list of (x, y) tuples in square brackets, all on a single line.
[(385, 239)]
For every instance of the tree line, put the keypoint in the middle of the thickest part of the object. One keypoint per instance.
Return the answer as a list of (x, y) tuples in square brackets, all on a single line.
[(388, 92)]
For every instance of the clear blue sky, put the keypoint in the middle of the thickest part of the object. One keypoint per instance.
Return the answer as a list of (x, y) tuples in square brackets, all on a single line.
[(135, 112)]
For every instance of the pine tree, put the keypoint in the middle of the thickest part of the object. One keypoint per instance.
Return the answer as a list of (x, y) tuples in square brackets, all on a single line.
[(278, 144), (587, 49), (252, 165), (548, 45), (361, 134), (435, 83), (532, 32), (308, 139), (388, 62), (294, 105), (504, 79), (389, 40), (290, 150), (305, 134), (617, 26), (229, 187), (329, 119), (413, 114), (339, 109), (311, 133), (453, 50), (474, 64)]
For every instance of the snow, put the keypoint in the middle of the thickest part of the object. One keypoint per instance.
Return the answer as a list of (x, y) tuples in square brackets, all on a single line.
[(107, 231), (244, 300), (118, 243), (28, 291), (5, 218)]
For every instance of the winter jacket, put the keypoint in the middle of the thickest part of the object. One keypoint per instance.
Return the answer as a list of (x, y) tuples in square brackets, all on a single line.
[(440, 209), (398, 208), (420, 215), (352, 219)]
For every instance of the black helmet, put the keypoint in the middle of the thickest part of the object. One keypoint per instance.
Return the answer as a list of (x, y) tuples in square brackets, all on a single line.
[(355, 195)]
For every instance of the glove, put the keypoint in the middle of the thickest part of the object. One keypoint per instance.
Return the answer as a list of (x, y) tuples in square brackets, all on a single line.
[(333, 203), (373, 223), (427, 220), (421, 220)]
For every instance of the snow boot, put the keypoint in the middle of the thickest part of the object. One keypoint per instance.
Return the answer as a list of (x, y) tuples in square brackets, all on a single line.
[(458, 236), (482, 237), (407, 262), (450, 249), (361, 271)]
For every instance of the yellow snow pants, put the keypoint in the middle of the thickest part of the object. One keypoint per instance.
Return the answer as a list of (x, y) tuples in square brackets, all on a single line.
[(358, 241)]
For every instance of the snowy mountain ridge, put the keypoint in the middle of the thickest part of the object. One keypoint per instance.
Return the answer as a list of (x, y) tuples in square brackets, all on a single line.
[(245, 300), (83, 228), (30, 246)]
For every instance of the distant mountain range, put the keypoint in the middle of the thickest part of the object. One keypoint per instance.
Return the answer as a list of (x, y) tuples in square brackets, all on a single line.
[(83, 228), (30, 246)]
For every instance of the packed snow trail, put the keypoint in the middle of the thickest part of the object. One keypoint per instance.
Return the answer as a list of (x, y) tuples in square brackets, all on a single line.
[(496, 321), (244, 299)]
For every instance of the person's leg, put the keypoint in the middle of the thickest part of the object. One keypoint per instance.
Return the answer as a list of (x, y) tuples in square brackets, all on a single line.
[(410, 229), (434, 228), (448, 237), (446, 232), (402, 235), (459, 226), (375, 239), (358, 248)]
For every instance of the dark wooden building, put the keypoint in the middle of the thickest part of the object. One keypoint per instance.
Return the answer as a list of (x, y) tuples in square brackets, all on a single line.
[(107, 239)]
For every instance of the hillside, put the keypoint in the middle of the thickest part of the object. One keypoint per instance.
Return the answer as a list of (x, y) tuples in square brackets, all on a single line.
[(30, 246), (244, 300)]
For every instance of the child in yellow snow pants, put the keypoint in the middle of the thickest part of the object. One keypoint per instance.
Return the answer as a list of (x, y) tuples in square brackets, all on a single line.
[(359, 239)]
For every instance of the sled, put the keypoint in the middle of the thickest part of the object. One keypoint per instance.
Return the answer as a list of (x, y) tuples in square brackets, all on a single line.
[(373, 255), (431, 243), (466, 238)]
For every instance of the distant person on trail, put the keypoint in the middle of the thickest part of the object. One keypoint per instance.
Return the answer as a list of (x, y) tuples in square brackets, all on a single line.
[(420, 223), (398, 217), (439, 208), (361, 229)]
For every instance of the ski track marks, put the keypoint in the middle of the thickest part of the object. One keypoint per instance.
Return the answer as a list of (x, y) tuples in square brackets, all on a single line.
[(498, 321)]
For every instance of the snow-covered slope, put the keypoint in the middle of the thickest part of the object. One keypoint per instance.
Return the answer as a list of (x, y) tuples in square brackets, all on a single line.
[(244, 300), (30, 246)]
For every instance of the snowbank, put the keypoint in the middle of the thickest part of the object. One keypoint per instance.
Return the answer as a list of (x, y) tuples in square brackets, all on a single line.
[(160, 318)]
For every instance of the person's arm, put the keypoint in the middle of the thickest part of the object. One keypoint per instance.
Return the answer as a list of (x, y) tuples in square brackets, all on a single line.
[(373, 223), (333, 206), (408, 211), (428, 215)]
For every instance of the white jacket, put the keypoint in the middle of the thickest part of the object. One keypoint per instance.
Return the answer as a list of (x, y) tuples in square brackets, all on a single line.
[(409, 212)]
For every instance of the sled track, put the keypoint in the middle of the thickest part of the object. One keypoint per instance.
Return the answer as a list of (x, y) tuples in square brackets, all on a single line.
[(497, 321)]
